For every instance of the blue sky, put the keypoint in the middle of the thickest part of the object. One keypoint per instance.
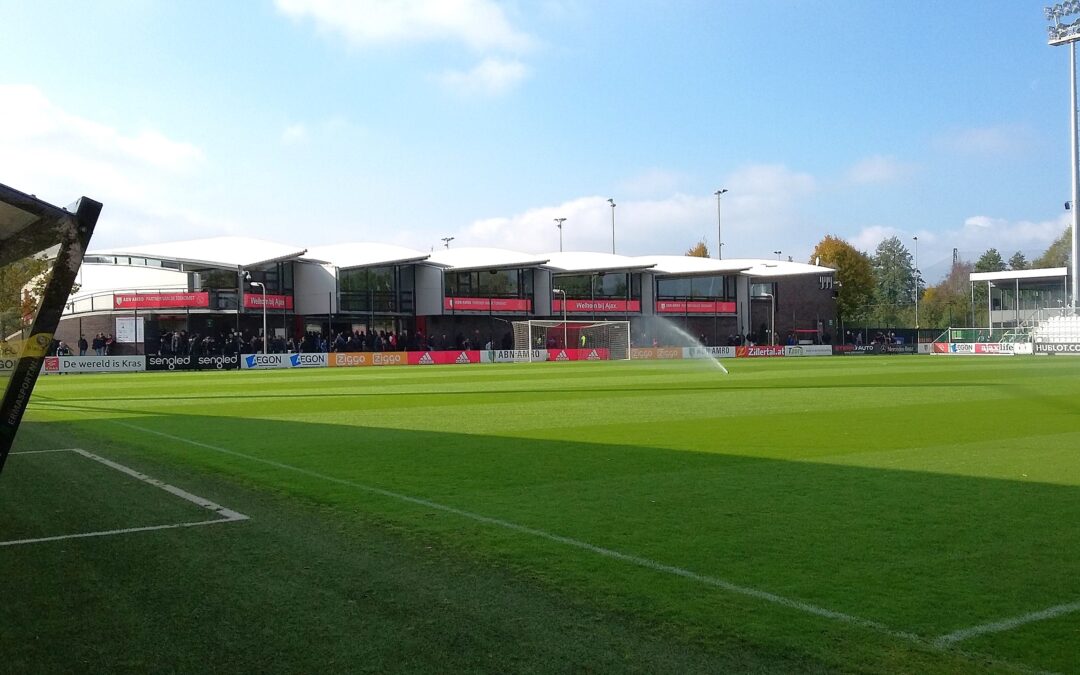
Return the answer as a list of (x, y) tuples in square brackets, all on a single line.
[(317, 121)]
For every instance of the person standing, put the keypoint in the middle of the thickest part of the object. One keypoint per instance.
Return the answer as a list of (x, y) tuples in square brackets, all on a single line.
[(82, 345)]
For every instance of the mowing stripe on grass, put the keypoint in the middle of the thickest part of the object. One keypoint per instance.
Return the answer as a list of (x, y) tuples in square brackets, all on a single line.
[(1006, 624), (715, 582), (226, 515)]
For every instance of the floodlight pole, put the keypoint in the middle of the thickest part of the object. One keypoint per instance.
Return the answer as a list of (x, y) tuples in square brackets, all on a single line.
[(916, 238), (1068, 34), (558, 224), (719, 231), (263, 287), (612, 202), (559, 290)]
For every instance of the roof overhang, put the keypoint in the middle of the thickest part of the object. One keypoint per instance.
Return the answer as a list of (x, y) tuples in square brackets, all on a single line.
[(1046, 274), (584, 262), (215, 252)]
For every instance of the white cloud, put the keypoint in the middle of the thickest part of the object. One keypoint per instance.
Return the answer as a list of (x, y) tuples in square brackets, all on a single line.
[(137, 175), (1005, 140), (878, 169), (294, 134), (481, 25), (653, 182), (490, 76), (868, 238)]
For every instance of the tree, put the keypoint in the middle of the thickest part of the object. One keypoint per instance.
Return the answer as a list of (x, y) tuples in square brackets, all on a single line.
[(990, 261), (854, 275), (949, 302), (1018, 261), (1057, 255), (699, 250), (22, 284), (895, 279)]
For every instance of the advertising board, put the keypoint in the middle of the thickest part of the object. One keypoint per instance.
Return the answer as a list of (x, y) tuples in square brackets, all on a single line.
[(808, 350), (364, 359), (94, 364), (645, 353), (514, 355), (273, 361), (574, 305), (754, 351), (708, 352), (487, 304), (160, 300), (255, 301), (694, 307), (190, 362), (1057, 348)]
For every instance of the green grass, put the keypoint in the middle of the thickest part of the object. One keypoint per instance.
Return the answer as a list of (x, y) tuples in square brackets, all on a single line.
[(441, 519)]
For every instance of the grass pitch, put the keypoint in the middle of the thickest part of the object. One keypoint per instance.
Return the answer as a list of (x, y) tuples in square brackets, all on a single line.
[(875, 514)]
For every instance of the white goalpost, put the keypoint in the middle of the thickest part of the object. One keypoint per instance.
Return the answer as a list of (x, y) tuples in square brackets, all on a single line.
[(610, 339)]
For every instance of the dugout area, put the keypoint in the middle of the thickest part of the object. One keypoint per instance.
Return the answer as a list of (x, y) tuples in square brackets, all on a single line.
[(41, 249)]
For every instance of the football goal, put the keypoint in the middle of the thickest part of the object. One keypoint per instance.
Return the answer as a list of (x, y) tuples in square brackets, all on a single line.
[(610, 338)]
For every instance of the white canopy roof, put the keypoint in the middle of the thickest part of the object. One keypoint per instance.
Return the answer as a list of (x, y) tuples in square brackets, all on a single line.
[(1009, 275), (686, 264), (364, 254), (480, 258), (585, 261), (225, 252), (782, 268)]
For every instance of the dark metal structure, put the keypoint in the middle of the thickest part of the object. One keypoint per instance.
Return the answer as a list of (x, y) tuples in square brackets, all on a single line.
[(32, 231)]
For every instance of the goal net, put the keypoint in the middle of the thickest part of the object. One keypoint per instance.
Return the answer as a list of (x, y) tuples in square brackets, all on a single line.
[(609, 339)]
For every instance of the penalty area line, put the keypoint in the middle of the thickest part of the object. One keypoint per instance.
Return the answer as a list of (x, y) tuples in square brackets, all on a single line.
[(225, 515), (1006, 624), (715, 582)]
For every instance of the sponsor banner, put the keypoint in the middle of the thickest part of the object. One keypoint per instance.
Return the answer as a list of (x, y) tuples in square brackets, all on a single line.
[(1023, 348), (1005, 348), (694, 307), (160, 300), (362, 359), (253, 301), (1057, 348), (189, 362), (513, 355), (7, 363), (872, 349), (487, 304), (598, 354), (95, 364), (752, 351), (597, 306), (656, 352), (708, 352), (455, 357), (271, 361), (808, 350), (941, 347)]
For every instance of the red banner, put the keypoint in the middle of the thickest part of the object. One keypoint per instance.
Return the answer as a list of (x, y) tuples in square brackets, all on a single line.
[(598, 354), (253, 301), (456, 357), (760, 350), (160, 300), (694, 307), (597, 305), (487, 304)]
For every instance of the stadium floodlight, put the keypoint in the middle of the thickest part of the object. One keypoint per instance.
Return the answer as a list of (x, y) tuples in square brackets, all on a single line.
[(558, 224), (719, 233), (446, 241), (41, 250), (777, 254), (560, 290), (265, 337), (1059, 34), (612, 202)]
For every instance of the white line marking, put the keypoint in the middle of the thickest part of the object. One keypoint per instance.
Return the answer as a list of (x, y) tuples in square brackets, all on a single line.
[(715, 582), (1006, 624), (226, 515), (40, 452)]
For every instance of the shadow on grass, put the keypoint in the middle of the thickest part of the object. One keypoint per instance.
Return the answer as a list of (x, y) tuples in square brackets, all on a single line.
[(919, 552)]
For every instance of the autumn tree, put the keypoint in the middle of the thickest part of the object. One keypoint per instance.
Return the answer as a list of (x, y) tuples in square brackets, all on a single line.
[(699, 250), (1057, 255), (854, 274), (949, 302), (22, 283)]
